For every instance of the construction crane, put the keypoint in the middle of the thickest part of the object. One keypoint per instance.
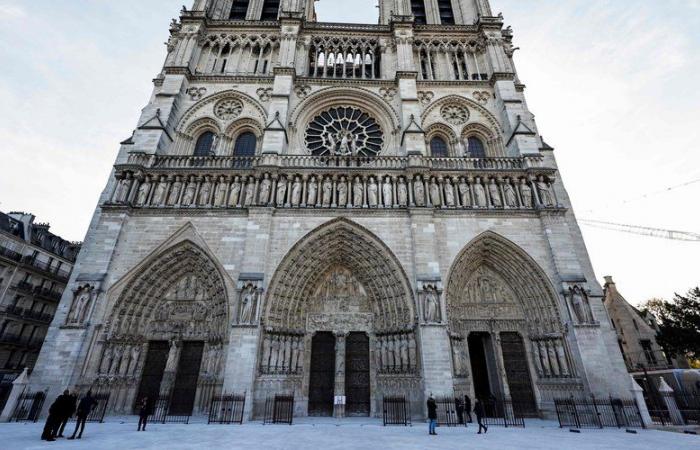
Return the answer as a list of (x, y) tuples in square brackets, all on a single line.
[(643, 231)]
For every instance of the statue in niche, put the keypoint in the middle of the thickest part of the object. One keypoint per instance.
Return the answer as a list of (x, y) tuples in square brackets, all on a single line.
[(388, 193), (431, 305), (159, 196), (144, 189), (511, 199), (419, 192), (106, 363), (495, 194), (265, 190), (171, 364), (402, 192), (175, 192), (234, 192), (281, 191), (249, 192), (204, 192), (358, 191), (190, 191), (545, 192), (296, 192), (449, 193), (220, 193), (372, 193), (526, 193), (327, 192), (480, 193), (123, 189), (457, 356), (248, 296), (435, 193), (580, 305), (464, 194), (81, 302), (342, 192), (312, 189)]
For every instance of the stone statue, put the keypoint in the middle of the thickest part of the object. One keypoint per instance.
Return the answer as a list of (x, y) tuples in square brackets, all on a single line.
[(80, 305), (419, 192), (281, 191), (526, 193), (495, 194), (449, 194), (480, 193), (234, 192), (171, 364), (159, 196), (135, 355), (358, 193), (327, 196), (432, 306), (372, 193), (106, 360), (580, 305), (249, 192), (346, 145), (435, 194), (296, 192), (220, 194), (265, 190), (312, 189), (190, 191), (205, 192), (342, 192), (545, 192), (120, 196), (247, 304), (144, 189), (464, 193), (388, 193), (175, 192), (511, 200), (402, 193)]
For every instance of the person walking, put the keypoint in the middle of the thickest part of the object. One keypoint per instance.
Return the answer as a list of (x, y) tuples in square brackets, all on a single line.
[(432, 415), (67, 411), (84, 407), (144, 411), (468, 407), (49, 432), (479, 413)]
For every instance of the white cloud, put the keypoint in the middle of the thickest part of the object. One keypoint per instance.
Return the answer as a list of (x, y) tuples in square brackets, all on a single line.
[(11, 11)]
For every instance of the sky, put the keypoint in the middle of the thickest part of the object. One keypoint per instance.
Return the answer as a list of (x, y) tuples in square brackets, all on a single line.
[(612, 83)]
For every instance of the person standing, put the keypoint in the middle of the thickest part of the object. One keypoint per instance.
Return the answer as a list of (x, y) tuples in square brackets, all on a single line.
[(84, 407), (432, 415), (459, 405), (144, 411), (68, 409), (479, 413), (468, 407), (54, 417)]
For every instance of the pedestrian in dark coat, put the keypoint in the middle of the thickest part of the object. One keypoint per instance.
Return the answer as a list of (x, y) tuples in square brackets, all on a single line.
[(479, 413), (54, 417), (144, 412), (459, 405), (432, 415), (84, 407), (468, 407), (67, 411)]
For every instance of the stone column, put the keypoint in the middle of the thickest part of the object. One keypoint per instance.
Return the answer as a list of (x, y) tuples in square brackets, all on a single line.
[(667, 394), (638, 394), (170, 372), (339, 390), (500, 365)]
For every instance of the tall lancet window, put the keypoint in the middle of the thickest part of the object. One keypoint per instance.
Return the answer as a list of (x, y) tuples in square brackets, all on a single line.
[(418, 10), (239, 10), (447, 16), (271, 9), (204, 145), (245, 145)]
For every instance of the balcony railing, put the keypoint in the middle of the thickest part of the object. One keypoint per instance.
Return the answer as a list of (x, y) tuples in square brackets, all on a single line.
[(10, 254), (46, 268), (28, 314)]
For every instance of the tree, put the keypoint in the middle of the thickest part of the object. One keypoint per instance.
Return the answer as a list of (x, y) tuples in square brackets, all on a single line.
[(679, 324)]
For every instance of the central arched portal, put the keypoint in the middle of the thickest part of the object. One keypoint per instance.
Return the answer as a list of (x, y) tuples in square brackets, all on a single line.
[(339, 325)]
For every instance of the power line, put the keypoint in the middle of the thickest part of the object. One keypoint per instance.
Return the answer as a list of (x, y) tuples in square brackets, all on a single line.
[(649, 194), (643, 231)]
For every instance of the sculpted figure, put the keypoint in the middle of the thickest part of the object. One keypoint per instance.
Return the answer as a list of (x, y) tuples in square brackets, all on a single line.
[(419, 192), (144, 189), (580, 305), (122, 189), (511, 200), (402, 192), (358, 192), (281, 191), (388, 193), (80, 306), (464, 194), (327, 192), (220, 194), (545, 192), (480, 193), (265, 187), (171, 364), (175, 192), (190, 191), (372, 191), (234, 192), (135, 355), (159, 196), (432, 306), (247, 302), (342, 192), (449, 193), (526, 193), (435, 194), (249, 192), (296, 192), (495, 194), (205, 192), (106, 360), (312, 192)]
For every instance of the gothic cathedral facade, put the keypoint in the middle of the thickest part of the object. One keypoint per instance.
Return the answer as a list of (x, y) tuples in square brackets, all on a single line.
[(334, 211)]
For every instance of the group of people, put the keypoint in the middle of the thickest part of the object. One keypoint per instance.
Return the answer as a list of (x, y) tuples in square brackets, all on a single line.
[(462, 407), (62, 410)]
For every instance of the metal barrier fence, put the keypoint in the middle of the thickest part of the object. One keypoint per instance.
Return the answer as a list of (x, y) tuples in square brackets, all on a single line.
[(161, 412), (598, 413), (396, 411), (227, 409), (689, 407), (503, 413), (447, 415), (97, 414), (279, 409), (28, 407)]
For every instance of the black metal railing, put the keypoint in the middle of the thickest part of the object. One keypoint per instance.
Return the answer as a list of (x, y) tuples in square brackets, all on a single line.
[(505, 413), (598, 413), (10, 254), (447, 414), (689, 407), (161, 412), (28, 407), (279, 410), (97, 414), (396, 411), (227, 409)]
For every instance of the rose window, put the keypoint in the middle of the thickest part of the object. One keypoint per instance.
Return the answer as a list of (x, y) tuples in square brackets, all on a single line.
[(455, 114), (228, 109), (344, 131)]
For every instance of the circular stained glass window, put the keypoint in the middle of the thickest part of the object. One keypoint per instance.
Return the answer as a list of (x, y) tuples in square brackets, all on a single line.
[(344, 131)]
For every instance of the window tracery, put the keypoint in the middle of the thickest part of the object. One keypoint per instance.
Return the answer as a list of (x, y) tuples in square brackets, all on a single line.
[(344, 131)]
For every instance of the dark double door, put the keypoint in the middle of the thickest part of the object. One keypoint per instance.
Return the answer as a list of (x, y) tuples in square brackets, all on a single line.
[(357, 375), (518, 373), (322, 375)]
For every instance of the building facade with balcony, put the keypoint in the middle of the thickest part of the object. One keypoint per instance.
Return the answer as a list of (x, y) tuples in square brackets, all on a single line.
[(339, 212), (34, 269)]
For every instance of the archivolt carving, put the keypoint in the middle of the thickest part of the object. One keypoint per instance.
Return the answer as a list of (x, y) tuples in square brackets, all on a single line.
[(355, 261), (205, 107), (203, 124), (477, 110)]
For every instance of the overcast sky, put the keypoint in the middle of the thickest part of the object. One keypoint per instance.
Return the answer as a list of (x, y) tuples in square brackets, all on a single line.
[(613, 85)]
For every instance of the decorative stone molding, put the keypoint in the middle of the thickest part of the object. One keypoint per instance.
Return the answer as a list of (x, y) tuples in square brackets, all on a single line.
[(196, 93), (250, 290), (429, 295), (455, 114), (264, 94), (228, 109), (425, 97)]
